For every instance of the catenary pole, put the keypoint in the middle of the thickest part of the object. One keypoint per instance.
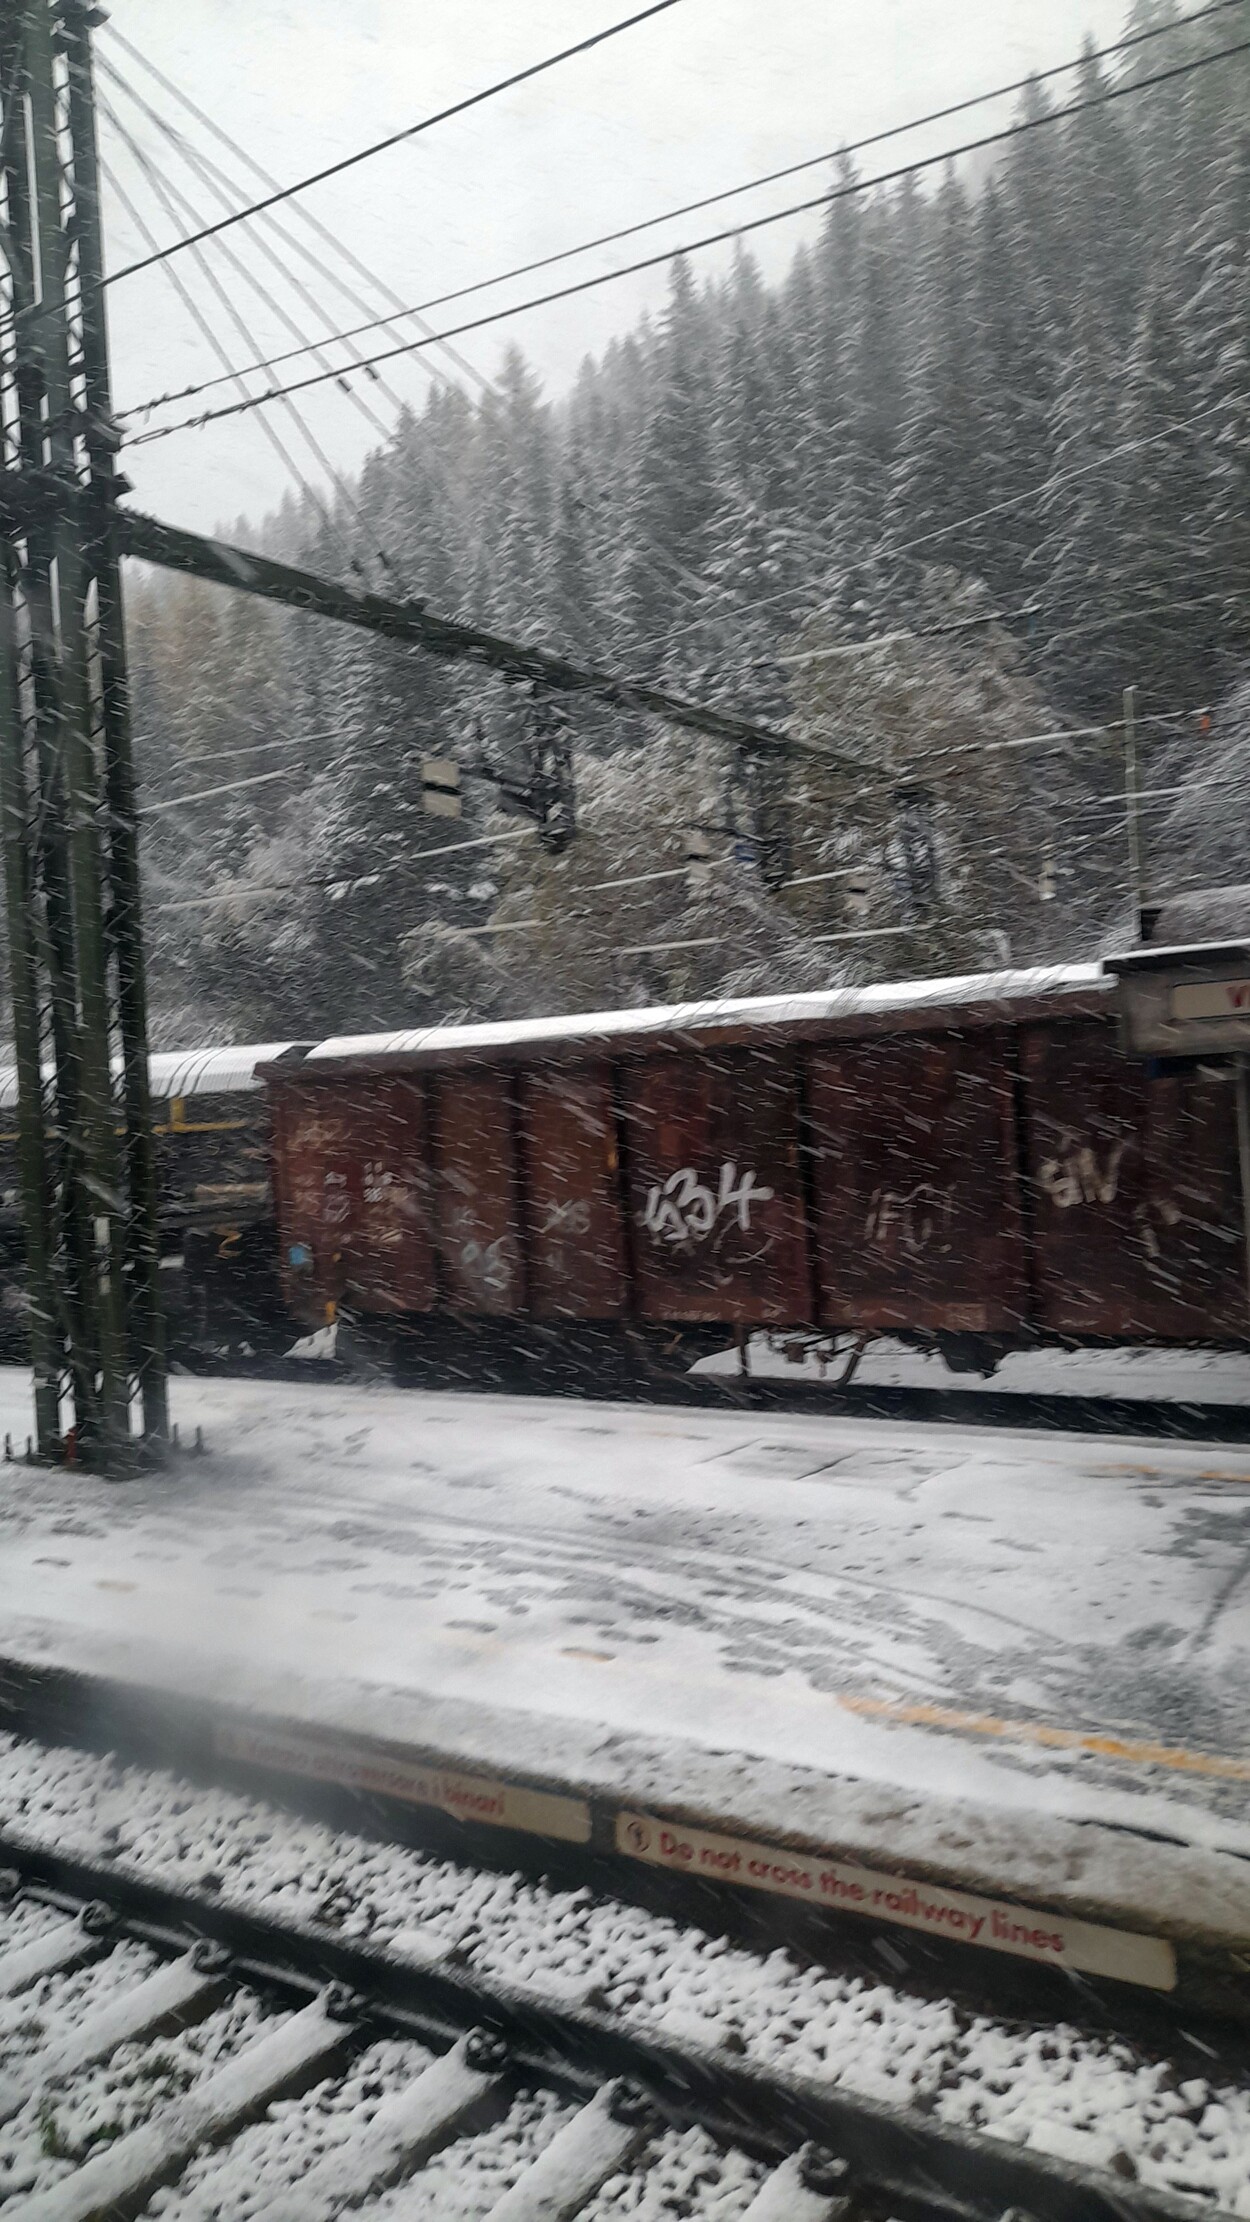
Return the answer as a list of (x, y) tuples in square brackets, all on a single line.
[(54, 1221), (142, 1243), (34, 1178), (104, 1421), (22, 916), (66, 778)]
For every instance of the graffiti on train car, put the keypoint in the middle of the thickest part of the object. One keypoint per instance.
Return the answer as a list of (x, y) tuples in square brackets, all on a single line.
[(1155, 1218), (569, 1215), (336, 1203), (485, 1265), (686, 1212), (1085, 1173), (914, 1219), (1081, 1173)]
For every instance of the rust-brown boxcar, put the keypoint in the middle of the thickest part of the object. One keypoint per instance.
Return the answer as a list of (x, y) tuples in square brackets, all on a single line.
[(972, 1163)]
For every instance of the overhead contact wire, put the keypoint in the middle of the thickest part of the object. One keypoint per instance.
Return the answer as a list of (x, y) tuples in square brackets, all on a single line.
[(204, 326), (671, 215), (397, 138), (229, 192), (168, 195), (732, 232), (314, 223)]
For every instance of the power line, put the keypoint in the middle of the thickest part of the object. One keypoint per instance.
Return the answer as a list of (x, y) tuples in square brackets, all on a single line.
[(338, 879), (289, 238), (396, 138), (231, 787), (208, 173), (687, 208), (206, 329), (714, 239), (804, 656), (171, 199), (1058, 478), (255, 748), (1029, 494)]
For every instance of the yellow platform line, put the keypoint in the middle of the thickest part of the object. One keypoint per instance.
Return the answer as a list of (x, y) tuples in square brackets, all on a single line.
[(917, 1713)]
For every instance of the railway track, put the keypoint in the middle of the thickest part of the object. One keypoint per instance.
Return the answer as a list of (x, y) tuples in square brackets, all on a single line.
[(1164, 1418), (189, 2057)]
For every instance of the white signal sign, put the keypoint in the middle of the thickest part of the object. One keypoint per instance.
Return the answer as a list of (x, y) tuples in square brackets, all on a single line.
[(1185, 1002), (1211, 999)]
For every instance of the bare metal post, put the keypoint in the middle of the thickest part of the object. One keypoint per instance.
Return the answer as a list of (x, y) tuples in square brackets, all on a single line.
[(1132, 807)]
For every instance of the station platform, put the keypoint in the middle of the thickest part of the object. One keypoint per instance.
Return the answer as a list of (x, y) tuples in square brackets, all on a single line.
[(987, 1685)]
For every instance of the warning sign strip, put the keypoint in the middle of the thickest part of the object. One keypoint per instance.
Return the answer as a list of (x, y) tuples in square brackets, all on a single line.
[(481, 1798), (994, 1924)]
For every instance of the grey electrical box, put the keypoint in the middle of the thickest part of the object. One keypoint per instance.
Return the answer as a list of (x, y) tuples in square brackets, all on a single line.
[(1191, 1001)]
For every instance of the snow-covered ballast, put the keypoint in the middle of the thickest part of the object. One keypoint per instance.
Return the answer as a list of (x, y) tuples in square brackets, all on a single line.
[(969, 1162)]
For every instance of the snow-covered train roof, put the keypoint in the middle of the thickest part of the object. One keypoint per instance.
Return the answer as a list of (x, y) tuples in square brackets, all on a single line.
[(189, 1072), (765, 1011), (213, 1072), (236, 1069)]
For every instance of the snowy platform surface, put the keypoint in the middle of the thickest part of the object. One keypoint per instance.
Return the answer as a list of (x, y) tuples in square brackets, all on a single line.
[(1021, 1661)]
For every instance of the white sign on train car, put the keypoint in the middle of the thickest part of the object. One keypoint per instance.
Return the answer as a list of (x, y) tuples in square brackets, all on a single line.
[(1185, 1002)]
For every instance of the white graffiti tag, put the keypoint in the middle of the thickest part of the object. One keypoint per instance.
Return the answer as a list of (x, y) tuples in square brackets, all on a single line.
[(569, 1216), (683, 1210), (1078, 1176), (917, 1218), (486, 1263), (336, 1204)]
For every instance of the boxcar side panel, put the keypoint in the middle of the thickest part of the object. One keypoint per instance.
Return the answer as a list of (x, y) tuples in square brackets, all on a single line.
[(574, 1231), (715, 1187), (475, 1176), (353, 1192), (1137, 1203), (916, 1184)]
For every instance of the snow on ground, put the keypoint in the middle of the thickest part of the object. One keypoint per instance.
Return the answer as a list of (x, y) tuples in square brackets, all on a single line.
[(60, 2128), (1178, 1376), (866, 1630), (1178, 2125), (464, 2181), (271, 2154)]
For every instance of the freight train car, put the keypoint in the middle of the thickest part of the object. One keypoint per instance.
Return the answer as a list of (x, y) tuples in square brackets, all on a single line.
[(970, 1164), (219, 1255)]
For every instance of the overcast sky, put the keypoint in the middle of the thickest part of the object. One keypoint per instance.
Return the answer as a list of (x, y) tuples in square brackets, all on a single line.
[(702, 97)]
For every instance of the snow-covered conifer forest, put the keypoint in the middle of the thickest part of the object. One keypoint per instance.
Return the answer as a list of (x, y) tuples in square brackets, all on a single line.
[(979, 460)]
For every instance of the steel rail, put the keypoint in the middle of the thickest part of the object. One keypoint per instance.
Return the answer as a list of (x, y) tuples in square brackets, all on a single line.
[(1159, 1418), (937, 2172)]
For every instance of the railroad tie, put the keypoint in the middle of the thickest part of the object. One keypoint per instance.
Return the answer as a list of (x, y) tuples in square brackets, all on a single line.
[(602, 2138), (167, 1999), (460, 2091), (119, 2181), (54, 1953), (807, 2187)]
